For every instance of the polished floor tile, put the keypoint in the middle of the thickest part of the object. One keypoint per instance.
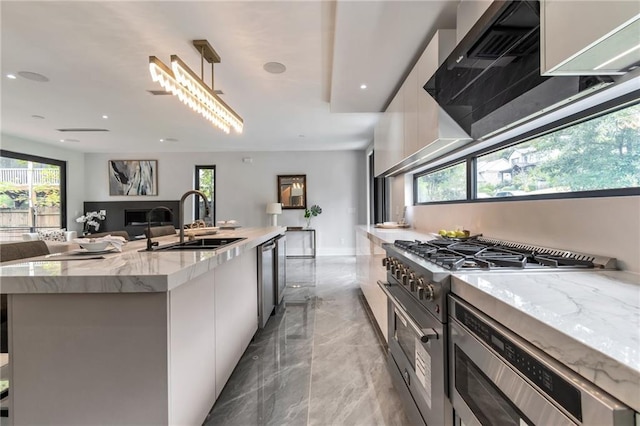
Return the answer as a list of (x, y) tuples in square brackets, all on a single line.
[(319, 361)]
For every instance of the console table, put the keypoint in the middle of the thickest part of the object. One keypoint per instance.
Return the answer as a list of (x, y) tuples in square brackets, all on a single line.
[(313, 242)]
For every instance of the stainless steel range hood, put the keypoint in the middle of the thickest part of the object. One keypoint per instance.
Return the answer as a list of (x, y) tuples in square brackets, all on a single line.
[(491, 82)]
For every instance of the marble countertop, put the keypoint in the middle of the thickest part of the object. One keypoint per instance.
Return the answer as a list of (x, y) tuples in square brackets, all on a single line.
[(589, 321), (131, 270), (385, 235)]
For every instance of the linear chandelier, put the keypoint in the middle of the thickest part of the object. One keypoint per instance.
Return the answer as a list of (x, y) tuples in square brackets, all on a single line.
[(192, 90)]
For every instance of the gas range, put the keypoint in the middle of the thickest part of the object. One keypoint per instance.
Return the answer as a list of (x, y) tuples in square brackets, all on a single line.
[(424, 268), (417, 288), (489, 254)]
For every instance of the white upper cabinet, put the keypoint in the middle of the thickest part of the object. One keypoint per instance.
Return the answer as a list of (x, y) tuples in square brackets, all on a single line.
[(589, 37), (410, 99), (388, 136)]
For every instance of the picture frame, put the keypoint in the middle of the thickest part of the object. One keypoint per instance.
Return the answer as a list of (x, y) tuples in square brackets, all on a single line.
[(133, 177), (292, 191)]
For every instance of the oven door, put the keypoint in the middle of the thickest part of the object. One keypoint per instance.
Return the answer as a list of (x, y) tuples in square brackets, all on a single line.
[(417, 349), (488, 390)]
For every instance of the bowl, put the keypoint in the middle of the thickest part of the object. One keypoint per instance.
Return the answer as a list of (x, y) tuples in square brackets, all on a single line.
[(95, 245)]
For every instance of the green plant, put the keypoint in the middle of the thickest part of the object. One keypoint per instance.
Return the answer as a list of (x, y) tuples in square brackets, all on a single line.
[(313, 211)]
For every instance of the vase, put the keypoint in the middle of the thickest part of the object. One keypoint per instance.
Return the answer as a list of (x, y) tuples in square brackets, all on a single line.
[(308, 222)]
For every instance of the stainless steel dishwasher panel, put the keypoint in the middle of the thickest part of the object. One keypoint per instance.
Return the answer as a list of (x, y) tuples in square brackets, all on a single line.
[(281, 268), (266, 281)]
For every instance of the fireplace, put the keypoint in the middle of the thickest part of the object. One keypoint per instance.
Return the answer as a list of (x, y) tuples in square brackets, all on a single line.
[(131, 216)]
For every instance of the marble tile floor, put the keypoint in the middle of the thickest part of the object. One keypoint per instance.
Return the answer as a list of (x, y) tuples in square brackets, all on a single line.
[(317, 362)]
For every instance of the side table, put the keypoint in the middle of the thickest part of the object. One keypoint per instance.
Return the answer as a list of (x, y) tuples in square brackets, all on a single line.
[(312, 238)]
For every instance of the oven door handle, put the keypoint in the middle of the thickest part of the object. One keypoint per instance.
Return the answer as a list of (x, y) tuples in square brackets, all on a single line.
[(423, 333)]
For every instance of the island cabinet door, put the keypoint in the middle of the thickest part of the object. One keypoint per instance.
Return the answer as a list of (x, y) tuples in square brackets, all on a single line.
[(236, 312), (192, 373), (80, 359)]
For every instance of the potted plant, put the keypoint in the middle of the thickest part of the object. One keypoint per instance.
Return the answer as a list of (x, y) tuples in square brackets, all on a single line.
[(311, 212)]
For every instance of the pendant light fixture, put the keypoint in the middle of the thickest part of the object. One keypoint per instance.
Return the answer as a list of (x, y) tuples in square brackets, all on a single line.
[(193, 91)]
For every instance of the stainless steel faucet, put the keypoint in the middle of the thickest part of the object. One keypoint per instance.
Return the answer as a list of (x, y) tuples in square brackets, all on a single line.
[(181, 212)]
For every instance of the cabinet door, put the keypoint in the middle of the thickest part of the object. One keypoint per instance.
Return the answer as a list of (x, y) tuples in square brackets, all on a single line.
[(236, 312), (584, 47), (396, 129), (381, 145), (410, 100)]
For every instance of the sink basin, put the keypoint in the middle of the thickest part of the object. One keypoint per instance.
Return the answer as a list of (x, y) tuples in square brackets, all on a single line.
[(201, 244)]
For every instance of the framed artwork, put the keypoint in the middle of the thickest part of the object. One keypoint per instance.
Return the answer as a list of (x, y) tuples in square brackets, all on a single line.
[(292, 191), (133, 177)]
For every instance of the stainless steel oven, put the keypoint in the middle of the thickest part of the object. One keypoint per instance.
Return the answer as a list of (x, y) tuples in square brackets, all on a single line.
[(417, 358), (497, 378)]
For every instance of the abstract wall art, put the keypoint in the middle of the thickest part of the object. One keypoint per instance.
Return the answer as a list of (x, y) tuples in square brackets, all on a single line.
[(133, 177)]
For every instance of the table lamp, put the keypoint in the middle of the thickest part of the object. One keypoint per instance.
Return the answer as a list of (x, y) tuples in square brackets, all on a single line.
[(274, 209)]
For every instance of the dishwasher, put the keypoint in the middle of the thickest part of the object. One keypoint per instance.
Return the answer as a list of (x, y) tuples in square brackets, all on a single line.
[(281, 268), (266, 281)]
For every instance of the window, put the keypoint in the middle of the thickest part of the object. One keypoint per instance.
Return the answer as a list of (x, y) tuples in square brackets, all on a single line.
[(32, 194), (447, 184), (206, 182), (599, 154)]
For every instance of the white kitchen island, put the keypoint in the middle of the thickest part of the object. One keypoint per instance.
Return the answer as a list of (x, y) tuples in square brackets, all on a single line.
[(134, 338)]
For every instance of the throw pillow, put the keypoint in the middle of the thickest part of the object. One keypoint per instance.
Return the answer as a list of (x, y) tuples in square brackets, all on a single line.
[(52, 235)]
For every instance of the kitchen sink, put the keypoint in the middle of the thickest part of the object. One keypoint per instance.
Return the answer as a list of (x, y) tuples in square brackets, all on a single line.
[(201, 244)]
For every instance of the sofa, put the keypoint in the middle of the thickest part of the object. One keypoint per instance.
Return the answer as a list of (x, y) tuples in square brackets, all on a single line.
[(58, 240), (58, 235)]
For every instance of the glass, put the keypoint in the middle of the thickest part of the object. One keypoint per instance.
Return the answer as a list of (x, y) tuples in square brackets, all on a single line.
[(206, 182), (30, 194), (292, 191), (599, 154), (448, 184), (488, 403)]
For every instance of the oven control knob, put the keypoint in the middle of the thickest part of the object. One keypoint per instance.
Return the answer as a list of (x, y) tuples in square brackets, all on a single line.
[(385, 262), (426, 292), (409, 278), (400, 270)]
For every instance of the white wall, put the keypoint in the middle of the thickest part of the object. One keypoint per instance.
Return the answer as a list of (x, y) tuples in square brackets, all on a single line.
[(335, 181), (75, 170)]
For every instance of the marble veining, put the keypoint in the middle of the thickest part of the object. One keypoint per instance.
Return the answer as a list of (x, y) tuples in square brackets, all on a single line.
[(131, 270), (589, 321), (317, 362)]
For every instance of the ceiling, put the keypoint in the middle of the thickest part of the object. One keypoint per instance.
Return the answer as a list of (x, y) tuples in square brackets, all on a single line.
[(96, 54)]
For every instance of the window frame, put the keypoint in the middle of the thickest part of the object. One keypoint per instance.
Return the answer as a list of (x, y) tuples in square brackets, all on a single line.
[(435, 170), (608, 107), (63, 178), (197, 186)]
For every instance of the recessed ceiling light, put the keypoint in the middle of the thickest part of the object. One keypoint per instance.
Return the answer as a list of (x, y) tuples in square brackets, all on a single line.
[(105, 116), (168, 140), (11, 76), (33, 76), (274, 67), (363, 86), (69, 140), (37, 117)]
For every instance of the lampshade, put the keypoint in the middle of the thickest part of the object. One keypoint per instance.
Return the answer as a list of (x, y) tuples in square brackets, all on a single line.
[(274, 208)]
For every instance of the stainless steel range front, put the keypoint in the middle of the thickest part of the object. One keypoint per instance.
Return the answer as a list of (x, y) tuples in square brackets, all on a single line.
[(417, 287), (418, 336)]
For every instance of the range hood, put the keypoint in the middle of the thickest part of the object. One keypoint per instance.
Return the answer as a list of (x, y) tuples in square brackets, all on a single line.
[(491, 82)]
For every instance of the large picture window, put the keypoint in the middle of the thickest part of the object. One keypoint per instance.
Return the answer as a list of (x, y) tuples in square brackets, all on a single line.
[(447, 184), (600, 154), (32, 194)]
